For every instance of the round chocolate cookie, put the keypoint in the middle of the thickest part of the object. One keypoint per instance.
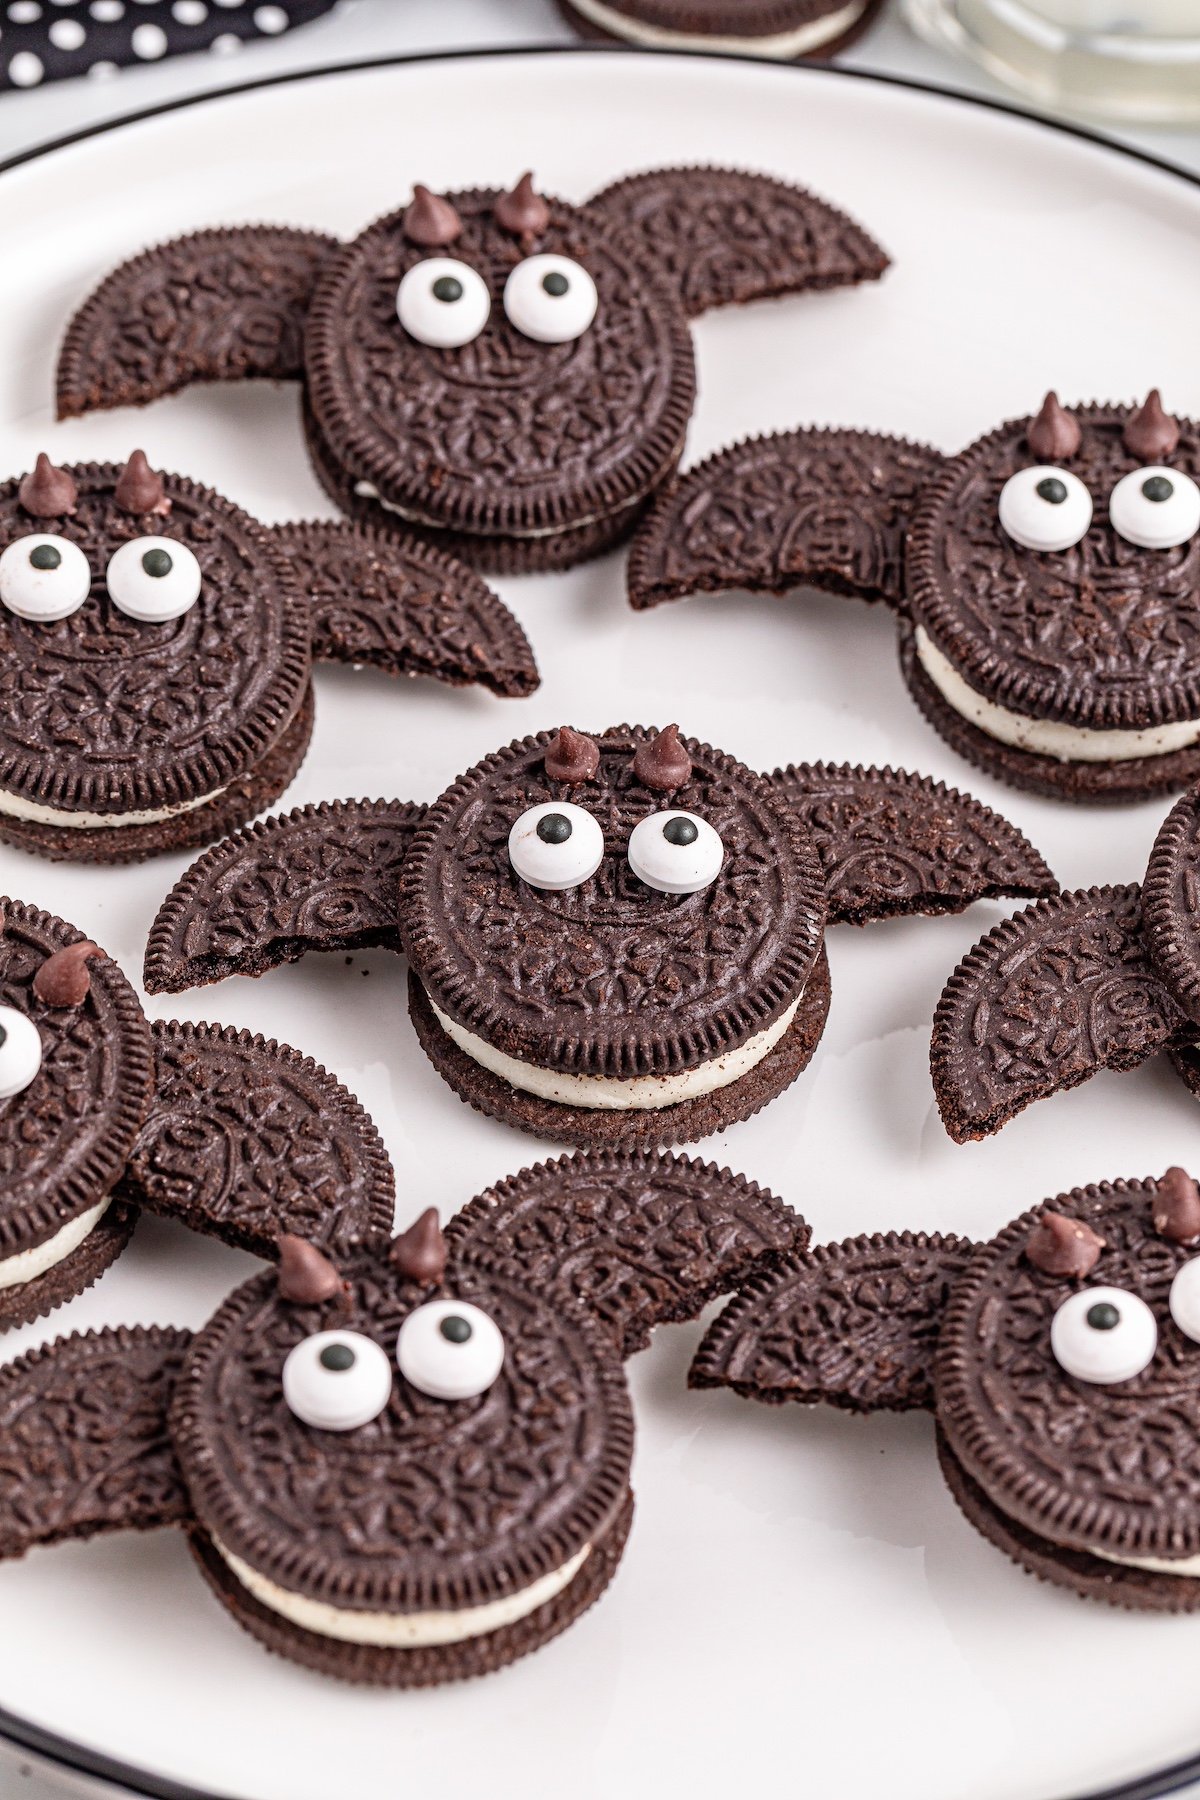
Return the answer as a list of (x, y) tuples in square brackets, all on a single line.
[(410, 1464), (780, 30), (156, 649), (75, 1076), (612, 980), (493, 1500), (1046, 580), (1062, 1361), (493, 371)]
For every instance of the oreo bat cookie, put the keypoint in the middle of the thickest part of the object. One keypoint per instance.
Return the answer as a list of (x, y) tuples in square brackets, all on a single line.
[(1099, 978), (499, 373), (779, 30), (408, 1463), (1061, 1361), (1045, 580), (157, 644), (102, 1113), (612, 941)]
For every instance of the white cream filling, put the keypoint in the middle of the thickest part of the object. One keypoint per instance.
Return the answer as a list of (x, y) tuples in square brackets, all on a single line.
[(27, 1265), (607, 1093), (1158, 1565), (779, 46), (402, 1631), (368, 491), (1048, 737), (18, 808)]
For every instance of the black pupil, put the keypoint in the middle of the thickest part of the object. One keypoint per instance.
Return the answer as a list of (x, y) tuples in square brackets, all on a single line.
[(455, 1329), (1103, 1316), (45, 556), (3, 1037), (554, 828), (338, 1357), (157, 563), (1052, 490), (1158, 488), (680, 831), (555, 284), (448, 288)]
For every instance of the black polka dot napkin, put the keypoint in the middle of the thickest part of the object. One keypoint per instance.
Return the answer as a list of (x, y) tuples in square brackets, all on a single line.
[(45, 40)]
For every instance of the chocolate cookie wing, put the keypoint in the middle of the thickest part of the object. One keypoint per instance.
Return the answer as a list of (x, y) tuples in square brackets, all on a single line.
[(722, 236), (405, 608), (84, 1446), (853, 1324), (317, 878), (638, 1239), (892, 843), (822, 509), (247, 1140), (1043, 1002), (215, 306), (1171, 902)]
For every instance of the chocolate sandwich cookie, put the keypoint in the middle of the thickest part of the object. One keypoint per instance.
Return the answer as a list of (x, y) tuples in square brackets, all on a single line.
[(779, 30), (504, 374), (474, 1378), (613, 940), (102, 1114), (1061, 1361), (1046, 580), (156, 652), (1099, 978)]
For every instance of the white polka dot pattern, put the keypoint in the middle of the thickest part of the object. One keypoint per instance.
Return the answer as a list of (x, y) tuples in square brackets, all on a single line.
[(98, 37)]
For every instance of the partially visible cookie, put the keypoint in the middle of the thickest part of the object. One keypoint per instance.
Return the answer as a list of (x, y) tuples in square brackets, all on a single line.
[(779, 30), (75, 1079)]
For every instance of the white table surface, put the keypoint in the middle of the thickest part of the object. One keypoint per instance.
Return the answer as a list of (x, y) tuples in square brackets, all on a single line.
[(360, 29)]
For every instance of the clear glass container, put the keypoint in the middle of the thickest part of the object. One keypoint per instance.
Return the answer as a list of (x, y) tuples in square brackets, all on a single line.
[(1135, 60)]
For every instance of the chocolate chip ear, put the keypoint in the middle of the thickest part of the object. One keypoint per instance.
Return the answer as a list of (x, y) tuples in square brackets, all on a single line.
[(317, 878), (430, 221), (405, 609), (63, 1478), (224, 305), (892, 843), (853, 1324), (246, 1140), (819, 509), (722, 236), (638, 1239), (1043, 1002), (1054, 436)]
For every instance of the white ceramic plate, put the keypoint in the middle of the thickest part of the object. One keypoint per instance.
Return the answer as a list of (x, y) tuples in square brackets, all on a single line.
[(801, 1605)]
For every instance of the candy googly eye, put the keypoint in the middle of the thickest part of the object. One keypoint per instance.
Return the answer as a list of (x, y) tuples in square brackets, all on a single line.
[(1045, 508), (443, 303), (450, 1350), (550, 299), (675, 852), (153, 579), (20, 1052), (1155, 508), (1103, 1335), (555, 845), (337, 1380), (44, 578), (1184, 1299)]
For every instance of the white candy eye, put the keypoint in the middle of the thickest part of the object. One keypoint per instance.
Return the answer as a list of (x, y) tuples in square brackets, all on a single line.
[(449, 1350), (44, 578), (20, 1052), (443, 303), (1184, 1299), (1045, 509), (1103, 1334), (550, 299), (675, 852), (337, 1380), (555, 845), (1155, 508), (153, 579)]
